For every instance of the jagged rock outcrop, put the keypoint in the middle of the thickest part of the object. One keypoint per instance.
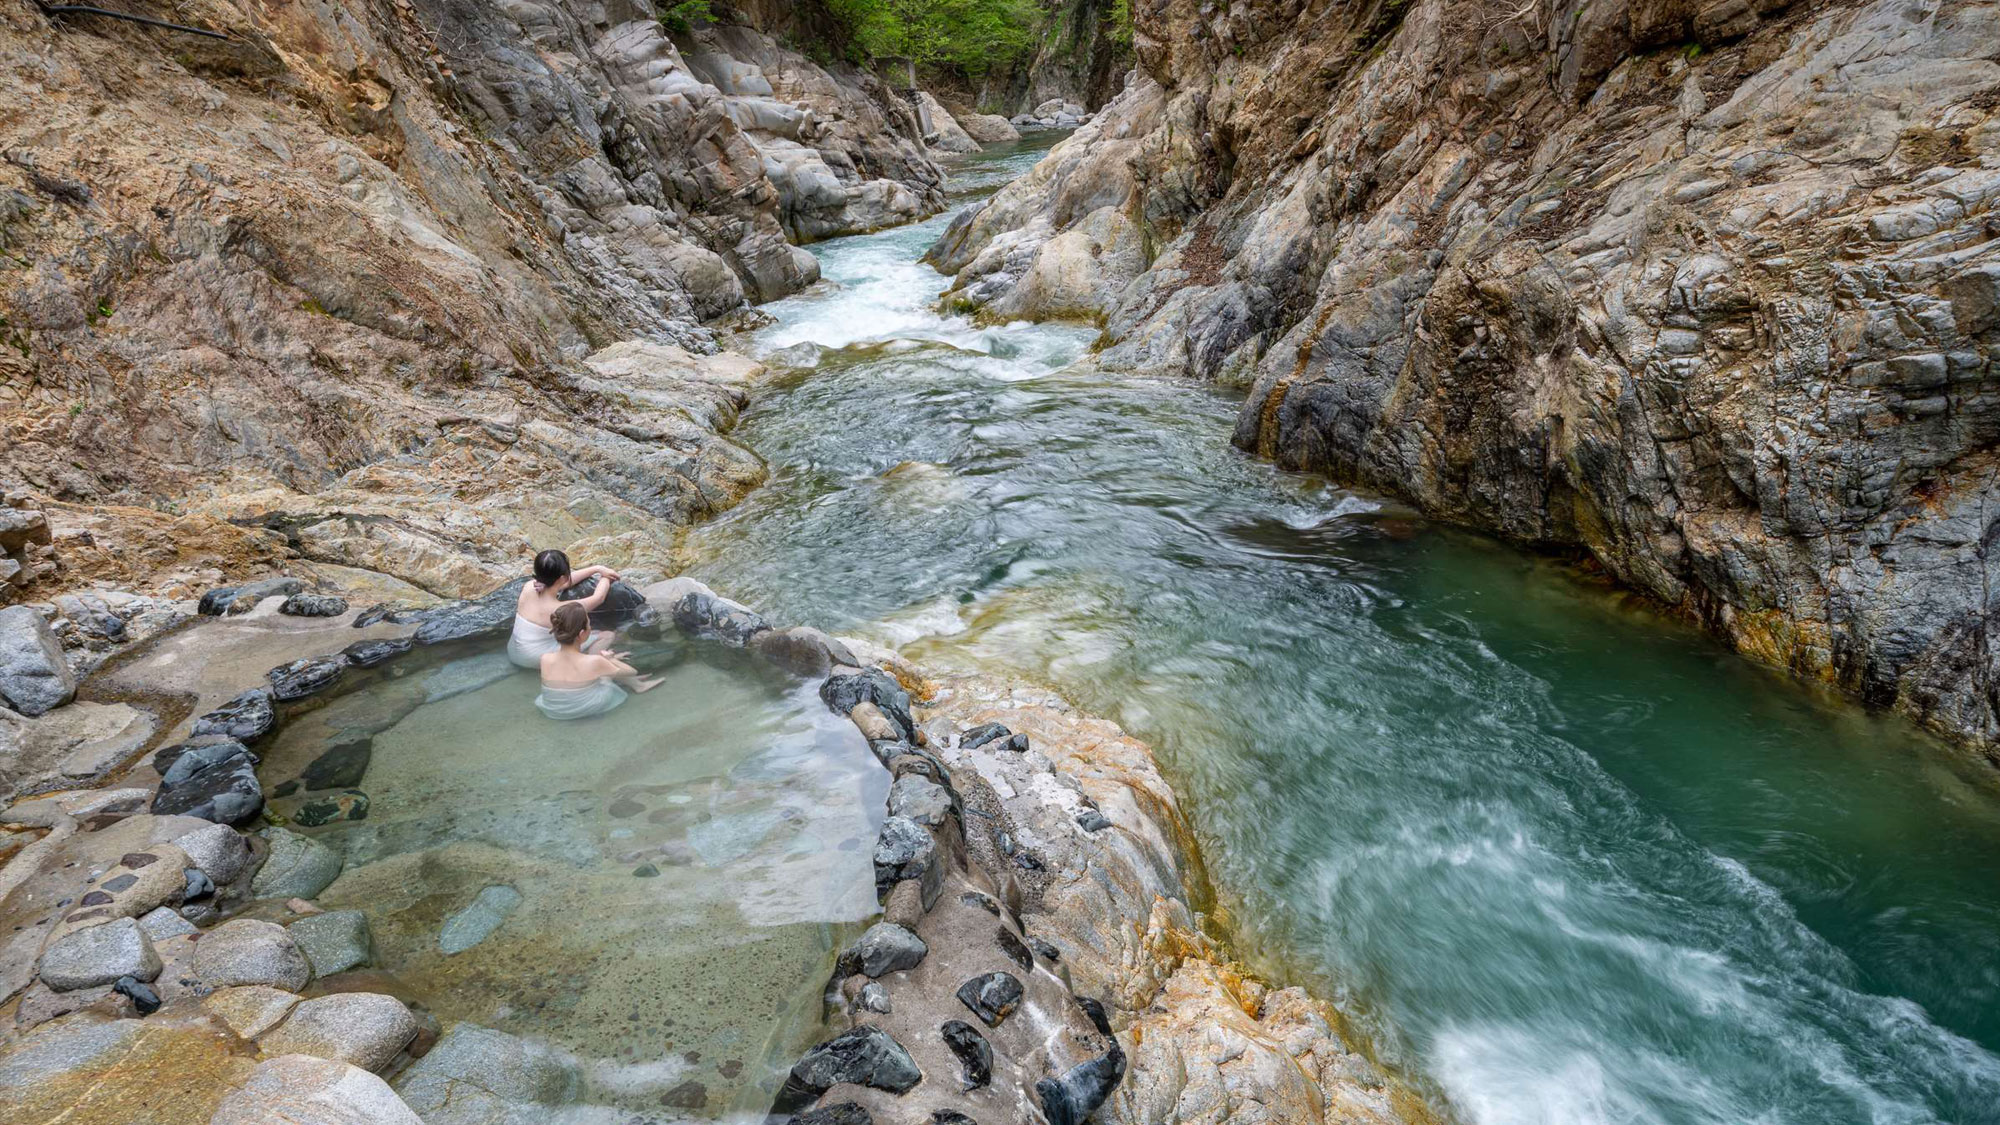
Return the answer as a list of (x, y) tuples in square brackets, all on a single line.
[(1706, 291), (371, 249)]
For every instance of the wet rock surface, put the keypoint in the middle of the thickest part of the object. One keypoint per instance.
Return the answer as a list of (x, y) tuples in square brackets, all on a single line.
[(246, 718), (302, 678), (245, 951), (214, 781)]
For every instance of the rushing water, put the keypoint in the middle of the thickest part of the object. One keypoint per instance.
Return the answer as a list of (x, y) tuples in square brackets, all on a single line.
[(1565, 861)]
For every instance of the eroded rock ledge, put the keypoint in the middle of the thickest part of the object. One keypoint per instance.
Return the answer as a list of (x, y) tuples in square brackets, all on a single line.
[(1705, 290), (1037, 958)]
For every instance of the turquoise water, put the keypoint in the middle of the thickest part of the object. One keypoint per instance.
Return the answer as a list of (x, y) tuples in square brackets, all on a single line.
[(1565, 861)]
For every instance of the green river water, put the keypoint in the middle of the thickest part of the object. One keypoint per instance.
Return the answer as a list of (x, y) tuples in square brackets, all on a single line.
[(1564, 861)]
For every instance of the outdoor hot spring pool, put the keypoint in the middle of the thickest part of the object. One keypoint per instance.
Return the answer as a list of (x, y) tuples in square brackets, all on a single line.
[(669, 881)]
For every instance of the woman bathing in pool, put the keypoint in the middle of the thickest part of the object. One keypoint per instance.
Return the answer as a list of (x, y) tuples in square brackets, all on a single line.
[(578, 684), (539, 599)]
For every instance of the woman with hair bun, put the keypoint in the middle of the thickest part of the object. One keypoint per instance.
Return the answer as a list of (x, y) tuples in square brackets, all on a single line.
[(578, 684), (531, 639)]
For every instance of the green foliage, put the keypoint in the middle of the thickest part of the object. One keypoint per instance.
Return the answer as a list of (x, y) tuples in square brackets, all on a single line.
[(1121, 22), (970, 36), (680, 16)]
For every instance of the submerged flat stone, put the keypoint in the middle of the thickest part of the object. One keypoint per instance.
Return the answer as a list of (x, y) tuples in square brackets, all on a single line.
[(477, 922)]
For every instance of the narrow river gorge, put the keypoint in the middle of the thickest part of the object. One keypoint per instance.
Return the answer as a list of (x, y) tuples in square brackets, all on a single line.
[(1564, 860)]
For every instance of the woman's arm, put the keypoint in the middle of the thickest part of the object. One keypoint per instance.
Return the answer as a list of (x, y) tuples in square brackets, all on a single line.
[(586, 572), (596, 597), (615, 667)]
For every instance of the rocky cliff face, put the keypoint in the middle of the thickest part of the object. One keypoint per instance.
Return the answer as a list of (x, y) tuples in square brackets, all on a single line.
[(364, 249), (1080, 59), (1708, 291)]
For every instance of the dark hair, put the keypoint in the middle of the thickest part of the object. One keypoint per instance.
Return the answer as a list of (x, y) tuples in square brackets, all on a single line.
[(568, 622), (551, 567)]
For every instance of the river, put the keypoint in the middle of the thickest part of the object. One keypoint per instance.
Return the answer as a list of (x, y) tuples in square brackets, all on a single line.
[(1563, 861)]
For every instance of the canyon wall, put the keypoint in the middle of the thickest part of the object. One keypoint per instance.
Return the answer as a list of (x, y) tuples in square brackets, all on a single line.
[(357, 272), (1707, 292)]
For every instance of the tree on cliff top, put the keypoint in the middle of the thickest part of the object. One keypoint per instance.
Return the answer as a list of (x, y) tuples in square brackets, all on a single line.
[(969, 36)]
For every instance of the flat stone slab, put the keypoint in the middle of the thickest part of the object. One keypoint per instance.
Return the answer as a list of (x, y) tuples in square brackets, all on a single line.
[(477, 921), (298, 867), (334, 942)]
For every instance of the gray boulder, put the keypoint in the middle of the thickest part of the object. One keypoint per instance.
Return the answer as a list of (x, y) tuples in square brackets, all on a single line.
[(333, 942), (218, 850), (366, 1029), (239, 599), (246, 718), (841, 693), (863, 1056), (313, 605), (303, 1090), (298, 867), (34, 677), (920, 799), (708, 615), (885, 948), (214, 781), (367, 654), (476, 1075), (302, 678), (905, 850), (99, 955), (246, 951)]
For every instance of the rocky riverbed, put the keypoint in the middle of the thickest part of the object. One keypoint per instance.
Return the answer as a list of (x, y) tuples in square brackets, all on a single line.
[(1702, 292), (1038, 953)]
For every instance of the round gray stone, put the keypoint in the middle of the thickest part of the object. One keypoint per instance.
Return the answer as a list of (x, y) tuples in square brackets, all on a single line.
[(99, 955), (298, 867), (246, 951)]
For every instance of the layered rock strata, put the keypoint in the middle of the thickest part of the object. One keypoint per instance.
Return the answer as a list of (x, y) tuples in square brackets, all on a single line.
[(1705, 291), (358, 270)]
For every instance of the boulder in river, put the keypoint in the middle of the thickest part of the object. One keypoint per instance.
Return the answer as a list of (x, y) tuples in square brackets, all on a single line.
[(246, 718), (366, 1029), (217, 850), (247, 951), (625, 609), (367, 654), (709, 615), (212, 780), (489, 615), (298, 866), (34, 676), (477, 1074), (333, 942), (302, 678)]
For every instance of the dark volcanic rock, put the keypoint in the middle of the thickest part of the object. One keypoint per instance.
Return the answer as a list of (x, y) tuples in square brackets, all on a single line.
[(486, 616), (1015, 949), (214, 781), (625, 609), (845, 1113), (313, 605), (395, 613), (143, 998), (321, 809), (1071, 1099), (246, 718), (885, 948), (1090, 820), (704, 615), (905, 850), (841, 693), (367, 654), (992, 997), (864, 1056), (342, 766), (975, 1055), (302, 678), (982, 734)]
